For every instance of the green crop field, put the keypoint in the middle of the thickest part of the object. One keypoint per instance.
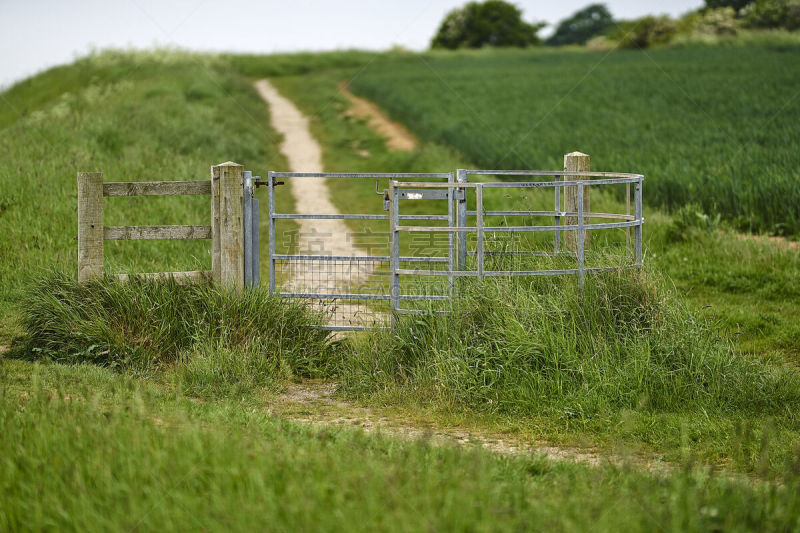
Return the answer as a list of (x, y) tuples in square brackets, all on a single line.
[(714, 126), (151, 405)]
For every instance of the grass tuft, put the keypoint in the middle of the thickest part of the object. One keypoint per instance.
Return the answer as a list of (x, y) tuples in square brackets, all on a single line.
[(539, 347), (214, 335)]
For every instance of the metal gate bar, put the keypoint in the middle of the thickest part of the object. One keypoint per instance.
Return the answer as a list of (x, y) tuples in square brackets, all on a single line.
[(336, 270), (388, 285), (480, 228), (251, 233)]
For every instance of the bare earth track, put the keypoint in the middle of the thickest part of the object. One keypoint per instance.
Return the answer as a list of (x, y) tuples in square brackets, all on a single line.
[(396, 135)]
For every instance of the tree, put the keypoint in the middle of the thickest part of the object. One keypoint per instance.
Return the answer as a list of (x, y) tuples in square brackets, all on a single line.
[(644, 32), (769, 14), (590, 21), (490, 23), (735, 4)]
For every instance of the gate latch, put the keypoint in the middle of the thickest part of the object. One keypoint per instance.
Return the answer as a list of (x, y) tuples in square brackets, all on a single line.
[(262, 182)]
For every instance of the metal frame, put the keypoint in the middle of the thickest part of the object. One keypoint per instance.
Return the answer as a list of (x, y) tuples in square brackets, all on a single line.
[(628, 221), (251, 231), (391, 295), (454, 191)]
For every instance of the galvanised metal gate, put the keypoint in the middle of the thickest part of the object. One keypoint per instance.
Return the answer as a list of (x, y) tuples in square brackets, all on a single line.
[(340, 261), (516, 254), (438, 230)]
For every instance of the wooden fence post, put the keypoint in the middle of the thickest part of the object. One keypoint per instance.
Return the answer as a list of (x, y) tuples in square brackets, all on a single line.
[(231, 224), (576, 162), (90, 225), (216, 272)]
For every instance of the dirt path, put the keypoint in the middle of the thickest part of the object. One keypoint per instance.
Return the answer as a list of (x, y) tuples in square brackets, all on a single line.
[(779, 242), (397, 136), (314, 403), (312, 196)]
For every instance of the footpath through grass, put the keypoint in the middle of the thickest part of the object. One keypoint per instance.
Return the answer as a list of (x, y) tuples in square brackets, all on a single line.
[(736, 324), (747, 287), (175, 430)]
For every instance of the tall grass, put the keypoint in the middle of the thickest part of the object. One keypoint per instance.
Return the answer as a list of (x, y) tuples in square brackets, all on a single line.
[(211, 335), (539, 347)]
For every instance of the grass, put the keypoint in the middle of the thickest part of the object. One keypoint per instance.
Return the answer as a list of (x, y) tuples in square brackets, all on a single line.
[(711, 125), (622, 363), (136, 116), (176, 400), (215, 340), (84, 448)]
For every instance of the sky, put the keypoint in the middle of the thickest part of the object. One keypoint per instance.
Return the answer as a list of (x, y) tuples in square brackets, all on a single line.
[(38, 34)]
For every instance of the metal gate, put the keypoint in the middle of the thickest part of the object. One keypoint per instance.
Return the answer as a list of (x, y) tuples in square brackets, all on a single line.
[(341, 262), (360, 269)]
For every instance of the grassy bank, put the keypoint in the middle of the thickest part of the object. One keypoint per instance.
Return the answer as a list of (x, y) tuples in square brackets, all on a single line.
[(83, 448), (136, 116), (211, 340), (169, 425)]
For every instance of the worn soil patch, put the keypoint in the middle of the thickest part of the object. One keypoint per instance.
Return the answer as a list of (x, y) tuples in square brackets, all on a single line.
[(316, 403), (780, 242), (396, 135)]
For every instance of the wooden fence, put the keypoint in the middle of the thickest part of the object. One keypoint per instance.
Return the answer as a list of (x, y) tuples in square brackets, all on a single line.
[(225, 231)]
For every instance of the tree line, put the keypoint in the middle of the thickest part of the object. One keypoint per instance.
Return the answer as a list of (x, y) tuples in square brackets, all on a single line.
[(500, 23)]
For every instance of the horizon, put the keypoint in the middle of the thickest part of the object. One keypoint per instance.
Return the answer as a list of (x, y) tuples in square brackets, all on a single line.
[(195, 26)]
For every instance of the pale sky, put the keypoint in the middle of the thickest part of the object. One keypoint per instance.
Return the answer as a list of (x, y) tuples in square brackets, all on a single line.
[(38, 34)]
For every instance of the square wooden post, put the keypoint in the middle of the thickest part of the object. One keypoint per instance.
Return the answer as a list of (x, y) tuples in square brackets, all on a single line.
[(90, 225), (216, 272), (576, 162), (231, 223)]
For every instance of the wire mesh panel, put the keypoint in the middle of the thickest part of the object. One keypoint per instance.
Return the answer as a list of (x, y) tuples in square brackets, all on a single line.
[(360, 270), (352, 292), (338, 262)]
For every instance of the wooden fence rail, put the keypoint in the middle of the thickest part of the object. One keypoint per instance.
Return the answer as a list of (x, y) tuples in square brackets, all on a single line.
[(225, 231)]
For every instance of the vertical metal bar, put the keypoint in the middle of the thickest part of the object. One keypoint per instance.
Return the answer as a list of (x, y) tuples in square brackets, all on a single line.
[(557, 238), (247, 205), (461, 220), (394, 259), (271, 209), (580, 236), (637, 193), (628, 212), (451, 236), (479, 225), (256, 243)]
